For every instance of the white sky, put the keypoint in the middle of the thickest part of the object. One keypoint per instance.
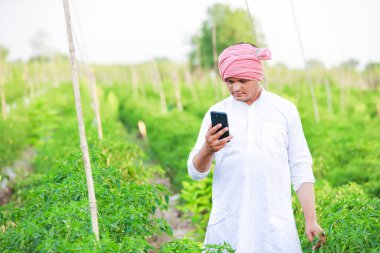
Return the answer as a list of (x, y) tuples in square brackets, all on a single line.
[(126, 31)]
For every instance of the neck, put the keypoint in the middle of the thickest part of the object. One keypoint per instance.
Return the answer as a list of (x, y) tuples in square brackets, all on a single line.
[(257, 95)]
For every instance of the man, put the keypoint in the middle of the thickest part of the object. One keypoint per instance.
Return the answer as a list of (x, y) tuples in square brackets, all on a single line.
[(255, 166)]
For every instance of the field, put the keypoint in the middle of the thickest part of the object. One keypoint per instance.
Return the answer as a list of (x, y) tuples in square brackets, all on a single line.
[(46, 208)]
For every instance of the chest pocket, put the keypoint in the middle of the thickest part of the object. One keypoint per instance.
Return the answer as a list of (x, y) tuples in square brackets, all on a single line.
[(273, 138)]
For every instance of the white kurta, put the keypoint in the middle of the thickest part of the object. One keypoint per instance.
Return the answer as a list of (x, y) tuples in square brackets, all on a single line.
[(251, 189)]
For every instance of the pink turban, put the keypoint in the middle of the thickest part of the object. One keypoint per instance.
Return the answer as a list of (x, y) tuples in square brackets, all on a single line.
[(242, 61)]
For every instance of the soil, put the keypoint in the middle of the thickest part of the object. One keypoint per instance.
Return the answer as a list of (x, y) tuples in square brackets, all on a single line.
[(19, 169), (174, 218)]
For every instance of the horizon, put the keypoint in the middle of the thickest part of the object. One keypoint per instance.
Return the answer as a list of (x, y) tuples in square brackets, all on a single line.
[(128, 43)]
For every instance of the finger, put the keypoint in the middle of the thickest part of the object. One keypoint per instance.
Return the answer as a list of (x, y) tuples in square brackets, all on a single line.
[(223, 142), (226, 139), (208, 130), (217, 144), (214, 129), (221, 132), (310, 236)]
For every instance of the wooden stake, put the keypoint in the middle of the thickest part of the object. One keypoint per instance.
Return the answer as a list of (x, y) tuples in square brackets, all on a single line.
[(328, 94), (342, 93), (154, 73), (215, 59), (177, 90), (95, 100), (3, 103), (314, 100), (199, 54), (142, 130), (311, 87), (158, 81), (214, 51), (251, 20), (82, 132), (190, 84), (134, 80)]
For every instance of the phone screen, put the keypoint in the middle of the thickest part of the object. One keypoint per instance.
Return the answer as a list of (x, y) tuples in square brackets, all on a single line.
[(220, 117)]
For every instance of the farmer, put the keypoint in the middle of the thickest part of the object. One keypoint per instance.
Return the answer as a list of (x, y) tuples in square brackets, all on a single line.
[(255, 166)]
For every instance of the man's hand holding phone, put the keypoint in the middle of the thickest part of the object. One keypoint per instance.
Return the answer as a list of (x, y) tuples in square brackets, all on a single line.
[(212, 142), (216, 138)]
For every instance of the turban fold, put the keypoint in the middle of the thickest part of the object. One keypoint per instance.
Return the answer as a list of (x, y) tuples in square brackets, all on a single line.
[(242, 61)]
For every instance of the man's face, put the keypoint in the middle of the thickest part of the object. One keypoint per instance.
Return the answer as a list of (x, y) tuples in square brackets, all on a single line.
[(242, 89)]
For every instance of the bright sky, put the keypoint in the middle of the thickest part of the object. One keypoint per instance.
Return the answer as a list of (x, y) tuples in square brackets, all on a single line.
[(126, 31)]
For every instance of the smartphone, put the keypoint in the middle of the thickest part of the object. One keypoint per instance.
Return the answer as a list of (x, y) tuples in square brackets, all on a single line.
[(220, 117)]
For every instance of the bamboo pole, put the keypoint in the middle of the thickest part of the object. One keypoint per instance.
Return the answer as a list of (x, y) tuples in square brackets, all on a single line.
[(215, 59), (190, 84), (214, 50), (158, 82), (348, 91), (95, 100), (328, 95), (27, 85), (342, 93), (142, 130), (311, 88), (82, 132), (264, 82), (154, 73), (314, 101), (199, 53), (251, 20), (177, 90), (3, 103), (134, 80)]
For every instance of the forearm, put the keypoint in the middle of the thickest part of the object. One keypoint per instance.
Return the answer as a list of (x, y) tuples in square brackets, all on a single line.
[(306, 197), (202, 160)]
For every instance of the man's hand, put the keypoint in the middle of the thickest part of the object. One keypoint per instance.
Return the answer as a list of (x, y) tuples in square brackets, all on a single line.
[(212, 144), (203, 159), (313, 229)]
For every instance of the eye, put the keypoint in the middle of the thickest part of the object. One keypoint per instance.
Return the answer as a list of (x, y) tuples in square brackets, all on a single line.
[(243, 80)]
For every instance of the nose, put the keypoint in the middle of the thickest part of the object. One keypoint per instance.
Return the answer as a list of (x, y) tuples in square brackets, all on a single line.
[(236, 86)]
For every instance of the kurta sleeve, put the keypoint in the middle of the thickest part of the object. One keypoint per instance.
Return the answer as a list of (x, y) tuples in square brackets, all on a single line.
[(193, 172), (300, 160)]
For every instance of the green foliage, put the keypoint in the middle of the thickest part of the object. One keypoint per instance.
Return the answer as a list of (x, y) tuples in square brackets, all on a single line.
[(170, 136), (344, 143), (13, 138), (344, 147), (196, 203), (350, 218), (50, 210), (188, 246), (372, 74), (232, 26), (184, 245)]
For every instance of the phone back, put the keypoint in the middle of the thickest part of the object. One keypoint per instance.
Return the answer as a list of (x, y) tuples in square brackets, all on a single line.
[(220, 117)]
